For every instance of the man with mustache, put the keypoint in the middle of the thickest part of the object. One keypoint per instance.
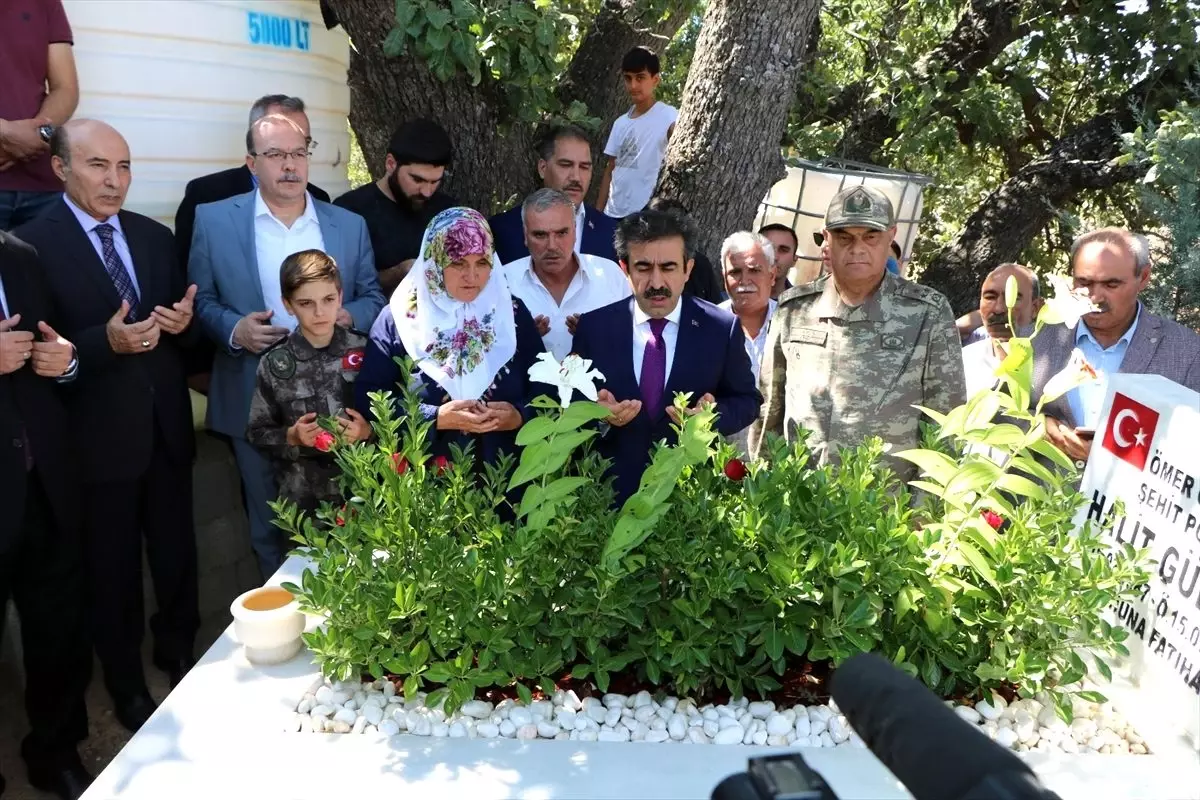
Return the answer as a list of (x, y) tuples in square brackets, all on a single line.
[(981, 358), (556, 283), (237, 250), (661, 343), (399, 206), (121, 299), (564, 164), (851, 354), (1111, 266), (748, 261)]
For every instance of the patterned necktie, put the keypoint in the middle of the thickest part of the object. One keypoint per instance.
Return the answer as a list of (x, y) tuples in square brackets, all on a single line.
[(24, 433), (654, 369), (116, 269)]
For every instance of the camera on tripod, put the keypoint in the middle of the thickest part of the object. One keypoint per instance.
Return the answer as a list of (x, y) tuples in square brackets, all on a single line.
[(784, 776)]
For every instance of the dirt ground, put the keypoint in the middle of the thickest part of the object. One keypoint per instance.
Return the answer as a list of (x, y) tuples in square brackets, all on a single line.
[(106, 736)]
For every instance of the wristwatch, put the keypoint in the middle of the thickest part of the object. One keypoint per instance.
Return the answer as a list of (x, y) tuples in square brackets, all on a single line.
[(45, 131)]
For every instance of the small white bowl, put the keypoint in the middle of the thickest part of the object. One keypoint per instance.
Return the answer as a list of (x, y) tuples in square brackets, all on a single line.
[(270, 636)]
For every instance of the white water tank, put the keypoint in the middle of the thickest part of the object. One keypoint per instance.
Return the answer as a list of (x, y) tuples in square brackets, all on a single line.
[(178, 77)]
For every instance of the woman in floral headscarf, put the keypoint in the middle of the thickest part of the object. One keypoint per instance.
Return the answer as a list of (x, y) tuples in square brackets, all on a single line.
[(472, 341)]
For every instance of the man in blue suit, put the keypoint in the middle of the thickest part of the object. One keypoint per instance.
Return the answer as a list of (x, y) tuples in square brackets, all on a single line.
[(659, 343), (565, 164), (237, 249)]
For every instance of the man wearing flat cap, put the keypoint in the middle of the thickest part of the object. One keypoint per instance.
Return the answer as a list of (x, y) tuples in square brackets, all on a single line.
[(849, 355)]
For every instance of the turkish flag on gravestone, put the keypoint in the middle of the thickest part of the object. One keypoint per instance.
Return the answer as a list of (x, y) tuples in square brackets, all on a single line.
[(1130, 430)]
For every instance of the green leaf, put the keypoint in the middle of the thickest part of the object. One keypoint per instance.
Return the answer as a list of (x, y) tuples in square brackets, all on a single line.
[(978, 562), (536, 430), (1022, 487), (524, 693), (1093, 697), (580, 413), (973, 476), (581, 671), (1048, 450), (1105, 670), (773, 642), (936, 466)]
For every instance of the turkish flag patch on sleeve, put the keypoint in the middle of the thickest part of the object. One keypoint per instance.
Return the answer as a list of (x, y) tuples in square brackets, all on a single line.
[(1130, 430), (352, 359)]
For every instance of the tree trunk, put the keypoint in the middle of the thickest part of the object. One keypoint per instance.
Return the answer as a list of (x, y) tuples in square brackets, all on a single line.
[(492, 156), (724, 155), (1010, 217)]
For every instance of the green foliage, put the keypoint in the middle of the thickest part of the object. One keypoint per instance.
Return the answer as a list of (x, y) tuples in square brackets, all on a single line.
[(701, 581), (1171, 193)]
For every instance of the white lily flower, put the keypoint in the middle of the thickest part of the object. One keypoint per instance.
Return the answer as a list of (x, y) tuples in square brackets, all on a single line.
[(573, 373), (1066, 306), (1077, 372)]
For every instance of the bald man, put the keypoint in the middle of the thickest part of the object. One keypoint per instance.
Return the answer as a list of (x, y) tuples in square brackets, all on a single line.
[(980, 358), (114, 278)]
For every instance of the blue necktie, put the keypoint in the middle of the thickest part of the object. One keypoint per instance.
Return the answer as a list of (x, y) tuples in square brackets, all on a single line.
[(116, 269)]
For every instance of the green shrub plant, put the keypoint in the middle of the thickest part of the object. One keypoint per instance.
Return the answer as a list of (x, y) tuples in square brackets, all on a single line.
[(716, 575)]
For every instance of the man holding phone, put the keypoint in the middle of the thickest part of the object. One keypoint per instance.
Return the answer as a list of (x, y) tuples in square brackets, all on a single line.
[(1112, 266)]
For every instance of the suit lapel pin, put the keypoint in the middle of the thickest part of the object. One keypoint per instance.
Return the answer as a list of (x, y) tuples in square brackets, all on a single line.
[(695, 324)]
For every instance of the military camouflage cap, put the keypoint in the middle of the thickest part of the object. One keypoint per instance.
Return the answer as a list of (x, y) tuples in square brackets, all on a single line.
[(860, 206)]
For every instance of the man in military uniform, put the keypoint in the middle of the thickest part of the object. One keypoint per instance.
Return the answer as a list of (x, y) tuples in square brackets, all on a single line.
[(849, 355), (304, 378)]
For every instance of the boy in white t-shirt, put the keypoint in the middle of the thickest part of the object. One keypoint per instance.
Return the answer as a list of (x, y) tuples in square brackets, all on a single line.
[(638, 140)]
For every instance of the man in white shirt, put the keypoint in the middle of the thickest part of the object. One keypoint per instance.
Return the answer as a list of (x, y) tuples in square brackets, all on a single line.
[(982, 357), (748, 266), (638, 141), (237, 249), (556, 282)]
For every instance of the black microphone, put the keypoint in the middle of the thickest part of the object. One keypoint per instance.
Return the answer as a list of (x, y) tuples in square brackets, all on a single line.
[(923, 742)]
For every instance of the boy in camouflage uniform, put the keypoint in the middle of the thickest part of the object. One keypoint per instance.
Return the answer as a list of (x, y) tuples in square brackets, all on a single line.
[(304, 377)]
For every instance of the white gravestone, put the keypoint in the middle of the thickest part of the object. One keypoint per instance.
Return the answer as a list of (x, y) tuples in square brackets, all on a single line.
[(1146, 453)]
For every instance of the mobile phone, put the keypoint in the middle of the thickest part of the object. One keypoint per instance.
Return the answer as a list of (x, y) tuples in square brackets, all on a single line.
[(1085, 433)]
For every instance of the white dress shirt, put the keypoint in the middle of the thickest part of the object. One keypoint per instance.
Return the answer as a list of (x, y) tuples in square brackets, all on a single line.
[(642, 336), (1087, 399), (756, 347), (597, 283), (979, 365), (273, 242), (580, 222), (120, 244)]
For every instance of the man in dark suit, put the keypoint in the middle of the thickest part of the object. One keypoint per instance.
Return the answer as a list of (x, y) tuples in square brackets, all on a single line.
[(565, 164), (114, 278), (41, 552), (1111, 266), (227, 183), (659, 343)]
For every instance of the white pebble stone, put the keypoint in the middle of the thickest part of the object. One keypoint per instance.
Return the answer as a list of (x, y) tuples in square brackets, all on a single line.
[(640, 731), (359, 699), (547, 730), (617, 700), (322, 710), (642, 698), (730, 722), (487, 730), (803, 727), (588, 702), (340, 727), (778, 725), (507, 729), (826, 740), (359, 726), (389, 689), (339, 698), (818, 726), (559, 697), (627, 713), (527, 733), (1138, 749), (588, 736), (345, 715), (1068, 745), (520, 716), (710, 714), (566, 719), (732, 735), (1082, 730), (1006, 737), (306, 704), (439, 730), (598, 713), (839, 730), (790, 715), (760, 710), (571, 701), (479, 709), (645, 713), (656, 737), (457, 731), (324, 696), (778, 741), (372, 713), (801, 711), (969, 714), (698, 736), (424, 727), (760, 737), (395, 700), (614, 716), (711, 728), (542, 708), (990, 709), (670, 703), (741, 702)]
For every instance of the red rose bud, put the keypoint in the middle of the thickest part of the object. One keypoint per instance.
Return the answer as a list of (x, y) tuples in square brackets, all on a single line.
[(735, 470), (324, 441), (993, 519), (441, 463), (399, 463), (340, 519)]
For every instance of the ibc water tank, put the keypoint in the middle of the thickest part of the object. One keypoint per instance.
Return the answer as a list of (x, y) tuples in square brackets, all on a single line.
[(177, 78)]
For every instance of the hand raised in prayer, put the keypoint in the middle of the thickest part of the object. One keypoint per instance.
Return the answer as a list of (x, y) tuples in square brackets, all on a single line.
[(572, 321), (622, 412), (15, 346), (53, 354), (506, 416), (469, 416), (543, 324), (344, 319), (707, 399), (174, 320), (134, 338), (254, 332)]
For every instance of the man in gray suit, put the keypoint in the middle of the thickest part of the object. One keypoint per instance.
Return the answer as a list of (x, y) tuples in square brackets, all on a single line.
[(237, 249), (1112, 266)]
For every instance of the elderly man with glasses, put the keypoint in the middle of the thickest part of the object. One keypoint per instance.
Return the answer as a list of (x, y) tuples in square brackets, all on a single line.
[(240, 306)]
